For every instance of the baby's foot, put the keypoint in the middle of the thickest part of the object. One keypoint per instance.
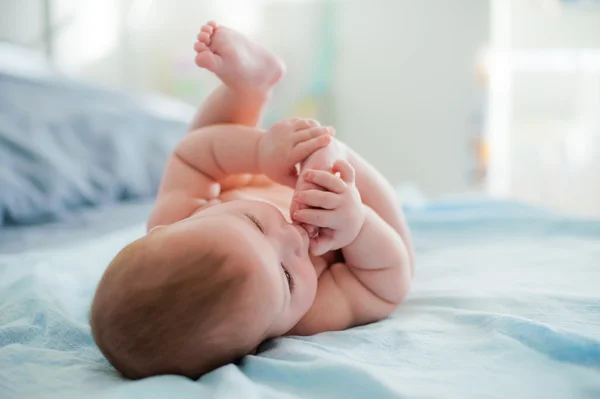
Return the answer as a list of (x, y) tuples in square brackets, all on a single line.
[(240, 63)]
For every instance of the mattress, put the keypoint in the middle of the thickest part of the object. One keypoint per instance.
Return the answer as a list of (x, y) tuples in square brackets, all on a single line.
[(505, 303)]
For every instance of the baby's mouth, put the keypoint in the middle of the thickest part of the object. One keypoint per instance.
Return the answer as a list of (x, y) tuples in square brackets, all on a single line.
[(311, 230)]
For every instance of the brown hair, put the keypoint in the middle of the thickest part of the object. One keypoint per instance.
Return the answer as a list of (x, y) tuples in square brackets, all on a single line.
[(158, 312)]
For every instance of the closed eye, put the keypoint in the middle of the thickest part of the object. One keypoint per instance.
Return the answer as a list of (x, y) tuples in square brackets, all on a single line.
[(256, 222), (288, 277)]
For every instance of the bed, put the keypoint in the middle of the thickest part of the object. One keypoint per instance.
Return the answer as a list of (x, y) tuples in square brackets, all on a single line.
[(505, 303)]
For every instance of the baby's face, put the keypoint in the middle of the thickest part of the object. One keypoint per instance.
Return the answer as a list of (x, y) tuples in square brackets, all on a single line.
[(273, 252)]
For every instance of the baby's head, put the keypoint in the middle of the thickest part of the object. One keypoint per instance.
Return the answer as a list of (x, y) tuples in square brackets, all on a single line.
[(203, 292)]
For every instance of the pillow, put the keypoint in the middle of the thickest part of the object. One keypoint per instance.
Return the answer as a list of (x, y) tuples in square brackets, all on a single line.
[(64, 145)]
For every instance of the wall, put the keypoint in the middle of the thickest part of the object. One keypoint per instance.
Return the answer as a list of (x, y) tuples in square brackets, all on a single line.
[(308, 55), (554, 121), (405, 86), (14, 29), (567, 26)]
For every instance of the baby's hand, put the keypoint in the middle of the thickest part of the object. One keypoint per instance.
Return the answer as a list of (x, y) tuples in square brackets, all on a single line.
[(301, 186), (340, 213), (288, 143), (322, 159)]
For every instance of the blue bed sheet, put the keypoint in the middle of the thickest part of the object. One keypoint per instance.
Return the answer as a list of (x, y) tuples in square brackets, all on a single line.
[(505, 304)]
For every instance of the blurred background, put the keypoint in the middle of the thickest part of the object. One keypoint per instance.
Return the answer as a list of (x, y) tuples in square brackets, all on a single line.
[(493, 97)]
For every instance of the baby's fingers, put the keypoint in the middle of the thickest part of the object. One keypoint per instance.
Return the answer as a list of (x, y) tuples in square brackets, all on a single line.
[(318, 199), (316, 217), (321, 245), (345, 170), (307, 134), (303, 123), (327, 180), (302, 150)]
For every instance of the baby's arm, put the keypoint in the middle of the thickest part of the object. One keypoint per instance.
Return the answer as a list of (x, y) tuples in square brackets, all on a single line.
[(371, 283), (197, 164), (376, 274), (209, 155), (378, 257)]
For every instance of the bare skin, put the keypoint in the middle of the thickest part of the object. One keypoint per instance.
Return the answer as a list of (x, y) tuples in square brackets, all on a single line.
[(226, 169)]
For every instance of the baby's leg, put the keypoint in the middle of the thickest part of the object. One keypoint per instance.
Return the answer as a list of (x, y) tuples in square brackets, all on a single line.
[(377, 193), (248, 73)]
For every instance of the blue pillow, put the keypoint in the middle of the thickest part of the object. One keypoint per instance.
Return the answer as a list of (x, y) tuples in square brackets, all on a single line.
[(64, 145)]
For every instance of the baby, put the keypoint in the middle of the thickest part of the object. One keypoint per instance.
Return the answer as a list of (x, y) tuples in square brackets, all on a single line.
[(228, 261)]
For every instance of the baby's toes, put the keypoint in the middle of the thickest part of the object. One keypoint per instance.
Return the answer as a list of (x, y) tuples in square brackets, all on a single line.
[(205, 38), (208, 29), (200, 47), (207, 59)]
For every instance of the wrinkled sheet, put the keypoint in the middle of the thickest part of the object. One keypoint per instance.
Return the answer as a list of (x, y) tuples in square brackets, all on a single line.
[(505, 304)]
